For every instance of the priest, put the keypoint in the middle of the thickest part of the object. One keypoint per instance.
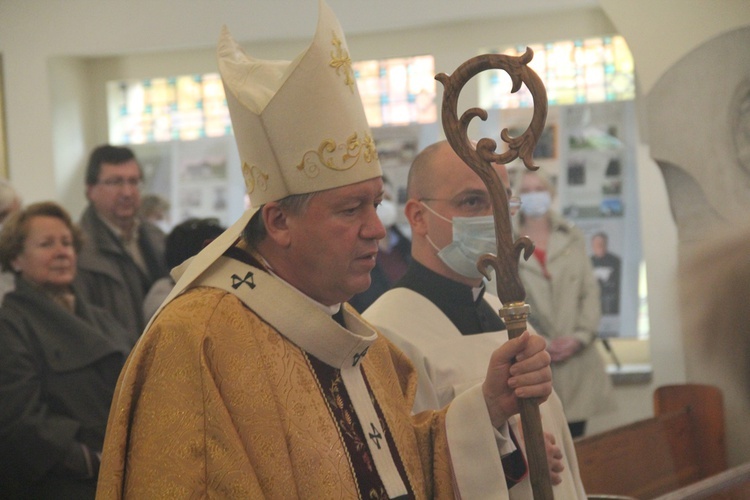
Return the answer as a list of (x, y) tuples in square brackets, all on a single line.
[(439, 313)]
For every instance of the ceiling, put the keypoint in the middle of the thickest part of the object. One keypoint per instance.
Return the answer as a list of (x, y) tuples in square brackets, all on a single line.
[(359, 16), (106, 27)]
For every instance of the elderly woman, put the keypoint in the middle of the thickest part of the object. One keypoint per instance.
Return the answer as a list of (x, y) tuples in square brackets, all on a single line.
[(564, 298), (59, 362)]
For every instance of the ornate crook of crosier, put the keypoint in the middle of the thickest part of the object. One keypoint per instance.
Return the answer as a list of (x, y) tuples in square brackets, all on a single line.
[(481, 157)]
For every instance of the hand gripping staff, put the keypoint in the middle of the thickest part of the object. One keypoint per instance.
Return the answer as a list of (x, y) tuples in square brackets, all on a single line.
[(510, 290)]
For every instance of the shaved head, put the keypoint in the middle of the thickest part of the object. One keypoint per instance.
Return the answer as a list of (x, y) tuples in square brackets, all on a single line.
[(422, 179)]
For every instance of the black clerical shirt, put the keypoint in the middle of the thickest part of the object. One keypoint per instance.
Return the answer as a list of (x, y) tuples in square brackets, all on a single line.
[(454, 299)]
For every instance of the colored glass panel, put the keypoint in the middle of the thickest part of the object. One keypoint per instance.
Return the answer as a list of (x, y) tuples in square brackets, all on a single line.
[(573, 71), (393, 91), (397, 91)]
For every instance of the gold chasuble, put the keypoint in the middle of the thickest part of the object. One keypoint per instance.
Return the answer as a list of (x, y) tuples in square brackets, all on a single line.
[(244, 388)]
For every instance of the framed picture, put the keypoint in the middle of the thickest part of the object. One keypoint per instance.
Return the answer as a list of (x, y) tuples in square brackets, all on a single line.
[(546, 147)]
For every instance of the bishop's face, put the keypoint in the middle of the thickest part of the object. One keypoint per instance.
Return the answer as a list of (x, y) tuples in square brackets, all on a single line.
[(334, 241)]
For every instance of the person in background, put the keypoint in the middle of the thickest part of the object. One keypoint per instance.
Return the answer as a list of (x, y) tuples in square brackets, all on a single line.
[(439, 315), (564, 298), (256, 380), (123, 255), (184, 241), (10, 202), (394, 254), (59, 361), (155, 209), (607, 269)]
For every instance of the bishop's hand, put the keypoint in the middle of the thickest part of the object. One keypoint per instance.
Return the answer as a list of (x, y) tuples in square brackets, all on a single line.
[(529, 376)]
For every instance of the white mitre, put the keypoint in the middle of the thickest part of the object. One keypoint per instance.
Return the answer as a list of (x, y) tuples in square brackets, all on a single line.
[(299, 126)]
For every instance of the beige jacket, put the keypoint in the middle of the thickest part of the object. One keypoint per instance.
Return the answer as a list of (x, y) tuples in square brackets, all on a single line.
[(568, 304)]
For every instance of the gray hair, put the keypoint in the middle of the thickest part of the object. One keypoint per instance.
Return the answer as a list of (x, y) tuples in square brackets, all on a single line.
[(8, 198), (255, 230), (8, 194)]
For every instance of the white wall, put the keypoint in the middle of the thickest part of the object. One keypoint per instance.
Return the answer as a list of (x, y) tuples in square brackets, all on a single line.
[(57, 56), (660, 34)]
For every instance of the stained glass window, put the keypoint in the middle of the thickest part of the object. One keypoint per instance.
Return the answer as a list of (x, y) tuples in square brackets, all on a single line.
[(163, 109), (573, 71), (394, 92), (397, 91)]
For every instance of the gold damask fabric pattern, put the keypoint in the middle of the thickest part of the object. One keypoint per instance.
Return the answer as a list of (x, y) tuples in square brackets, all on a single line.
[(215, 403)]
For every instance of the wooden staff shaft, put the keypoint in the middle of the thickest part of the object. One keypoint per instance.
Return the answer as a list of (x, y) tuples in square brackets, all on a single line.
[(514, 316)]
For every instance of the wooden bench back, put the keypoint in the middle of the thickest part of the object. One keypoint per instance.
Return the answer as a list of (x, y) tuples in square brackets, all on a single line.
[(683, 443)]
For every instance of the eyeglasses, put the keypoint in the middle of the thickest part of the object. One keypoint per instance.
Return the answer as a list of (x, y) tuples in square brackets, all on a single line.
[(514, 205), (119, 182), (478, 203)]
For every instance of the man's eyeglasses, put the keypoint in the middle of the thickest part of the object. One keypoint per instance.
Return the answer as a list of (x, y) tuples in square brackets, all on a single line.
[(119, 182), (478, 204)]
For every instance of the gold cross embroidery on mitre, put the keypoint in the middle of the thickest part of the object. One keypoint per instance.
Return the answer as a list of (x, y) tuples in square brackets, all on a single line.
[(340, 60)]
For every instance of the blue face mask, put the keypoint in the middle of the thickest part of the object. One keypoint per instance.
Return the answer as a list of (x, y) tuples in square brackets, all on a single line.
[(472, 238), (535, 203)]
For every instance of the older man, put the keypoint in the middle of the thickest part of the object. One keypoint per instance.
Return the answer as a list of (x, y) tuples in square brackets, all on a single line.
[(122, 256), (439, 315), (255, 381)]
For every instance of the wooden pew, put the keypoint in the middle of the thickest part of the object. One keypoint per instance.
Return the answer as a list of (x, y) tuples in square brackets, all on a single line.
[(682, 444), (732, 484)]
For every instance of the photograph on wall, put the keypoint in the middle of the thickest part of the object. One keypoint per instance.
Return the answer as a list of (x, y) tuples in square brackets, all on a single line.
[(593, 169), (546, 146), (604, 243), (202, 167), (593, 182), (597, 186), (155, 159)]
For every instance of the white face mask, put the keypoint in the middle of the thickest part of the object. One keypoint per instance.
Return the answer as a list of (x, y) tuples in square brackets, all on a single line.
[(472, 238), (387, 213), (536, 203), (164, 225)]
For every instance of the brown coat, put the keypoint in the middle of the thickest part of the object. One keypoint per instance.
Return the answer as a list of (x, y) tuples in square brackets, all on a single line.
[(57, 375), (108, 276)]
